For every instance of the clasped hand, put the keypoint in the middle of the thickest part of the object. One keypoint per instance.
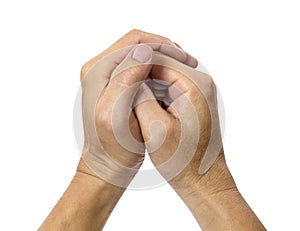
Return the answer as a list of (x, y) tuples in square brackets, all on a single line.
[(143, 93), (148, 96)]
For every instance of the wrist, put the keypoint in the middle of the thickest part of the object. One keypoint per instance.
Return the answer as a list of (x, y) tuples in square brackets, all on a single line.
[(85, 205), (106, 170), (97, 186), (215, 201), (218, 178)]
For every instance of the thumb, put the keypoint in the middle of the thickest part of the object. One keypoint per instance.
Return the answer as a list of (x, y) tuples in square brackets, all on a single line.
[(127, 77), (118, 96), (135, 67)]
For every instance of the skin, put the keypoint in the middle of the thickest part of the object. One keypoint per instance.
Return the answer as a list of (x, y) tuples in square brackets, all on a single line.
[(88, 201), (213, 198)]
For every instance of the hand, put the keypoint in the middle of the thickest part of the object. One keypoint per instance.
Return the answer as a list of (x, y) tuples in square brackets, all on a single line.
[(188, 116), (178, 115), (89, 200)]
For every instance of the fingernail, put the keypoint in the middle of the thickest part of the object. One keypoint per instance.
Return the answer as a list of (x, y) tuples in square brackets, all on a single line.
[(142, 53)]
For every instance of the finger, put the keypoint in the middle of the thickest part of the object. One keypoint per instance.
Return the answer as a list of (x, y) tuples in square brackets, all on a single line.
[(186, 85), (135, 37), (178, 85), (175, 52), (180, 75), (191, 61)]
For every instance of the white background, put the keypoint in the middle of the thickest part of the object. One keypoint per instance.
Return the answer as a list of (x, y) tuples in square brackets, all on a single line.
[(252, 50)]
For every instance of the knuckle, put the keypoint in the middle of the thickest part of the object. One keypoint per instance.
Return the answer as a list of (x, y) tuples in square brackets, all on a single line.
[(135, 32), (134, 35), (137, 35)]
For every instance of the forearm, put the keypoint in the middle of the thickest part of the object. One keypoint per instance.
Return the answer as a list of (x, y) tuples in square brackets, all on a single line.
[(224, 210), (85, 205), (216, 202)]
